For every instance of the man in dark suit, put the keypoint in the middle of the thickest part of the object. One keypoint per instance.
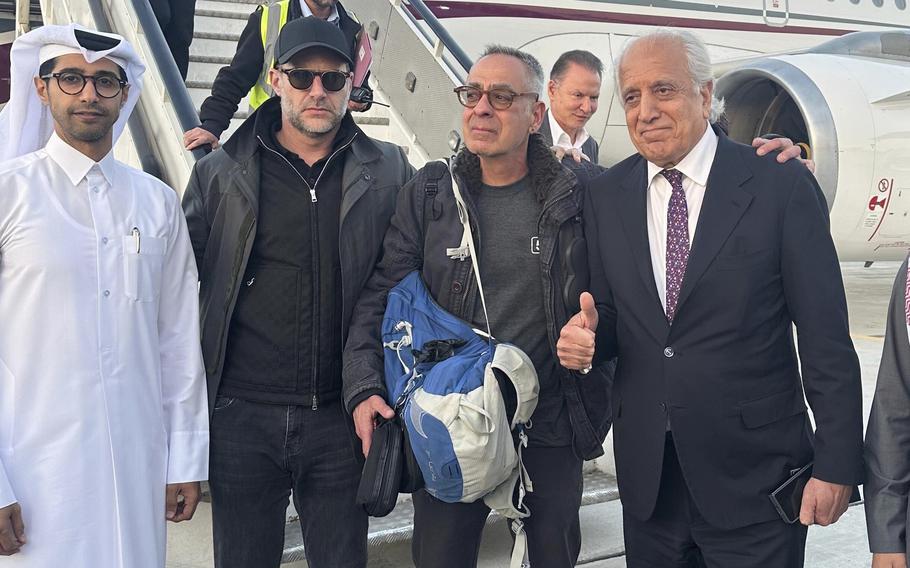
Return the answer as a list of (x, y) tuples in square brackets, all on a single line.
[(708, 406), (574, 91)]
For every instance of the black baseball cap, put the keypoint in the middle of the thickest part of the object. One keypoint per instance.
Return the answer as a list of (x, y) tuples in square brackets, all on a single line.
[(303, 33)]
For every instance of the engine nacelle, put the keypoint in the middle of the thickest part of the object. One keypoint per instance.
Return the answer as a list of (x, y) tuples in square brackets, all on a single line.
[(849, 99)]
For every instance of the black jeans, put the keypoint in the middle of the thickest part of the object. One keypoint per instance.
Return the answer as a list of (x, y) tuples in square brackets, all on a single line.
[(447, 535), (176, 18), (259, 454), (677, 536)]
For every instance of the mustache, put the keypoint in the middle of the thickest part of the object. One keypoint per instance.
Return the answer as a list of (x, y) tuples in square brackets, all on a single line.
[(91, 107)]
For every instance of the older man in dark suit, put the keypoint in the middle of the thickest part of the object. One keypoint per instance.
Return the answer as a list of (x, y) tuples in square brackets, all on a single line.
[(703, 256)]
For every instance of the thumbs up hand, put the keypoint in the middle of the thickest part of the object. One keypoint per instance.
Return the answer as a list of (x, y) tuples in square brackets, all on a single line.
[(575, 347)]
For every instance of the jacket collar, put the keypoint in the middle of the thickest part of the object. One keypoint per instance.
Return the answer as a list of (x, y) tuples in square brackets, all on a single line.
[(243, 144), (548, 176)]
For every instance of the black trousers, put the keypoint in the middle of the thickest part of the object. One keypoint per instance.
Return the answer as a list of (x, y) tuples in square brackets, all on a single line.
[(447, 535), (259, 454), (676, 535), (176, 19)]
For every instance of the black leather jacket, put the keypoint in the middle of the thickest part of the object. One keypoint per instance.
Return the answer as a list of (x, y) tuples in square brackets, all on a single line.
[(221, 206), (426, 223)]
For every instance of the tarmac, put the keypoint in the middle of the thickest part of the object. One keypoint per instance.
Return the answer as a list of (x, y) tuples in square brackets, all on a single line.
[(843, 545)]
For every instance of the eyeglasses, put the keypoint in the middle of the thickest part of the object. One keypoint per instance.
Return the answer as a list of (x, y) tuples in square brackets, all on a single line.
[(302, 79), (72, 83), (500, 99)]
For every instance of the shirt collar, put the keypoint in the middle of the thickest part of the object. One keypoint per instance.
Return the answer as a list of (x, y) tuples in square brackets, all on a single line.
[(697, 163), (74, 163), (561, 138), (332, 19)]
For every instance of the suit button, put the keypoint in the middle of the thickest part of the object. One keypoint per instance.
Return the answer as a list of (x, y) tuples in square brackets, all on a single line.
[(668, 352), (662, 405), (457, 287)]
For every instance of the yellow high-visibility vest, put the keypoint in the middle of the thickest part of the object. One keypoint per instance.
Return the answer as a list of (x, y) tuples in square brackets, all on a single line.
[(274, 17)]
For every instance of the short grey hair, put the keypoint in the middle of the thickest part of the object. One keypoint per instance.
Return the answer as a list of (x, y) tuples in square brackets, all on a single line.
[(697, 56), (534, 68)]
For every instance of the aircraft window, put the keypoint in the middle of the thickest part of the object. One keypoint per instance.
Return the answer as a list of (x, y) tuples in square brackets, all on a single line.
[(854, 1), (901, 4), (878, 3)]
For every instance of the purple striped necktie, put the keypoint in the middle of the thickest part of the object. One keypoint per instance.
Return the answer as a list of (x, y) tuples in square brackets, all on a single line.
[(677, 240)]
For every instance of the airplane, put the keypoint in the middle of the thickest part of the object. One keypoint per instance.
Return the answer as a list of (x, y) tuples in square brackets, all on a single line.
[(834, 74)]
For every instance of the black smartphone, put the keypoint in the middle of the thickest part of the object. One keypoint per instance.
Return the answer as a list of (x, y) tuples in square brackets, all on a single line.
[(788, 497)]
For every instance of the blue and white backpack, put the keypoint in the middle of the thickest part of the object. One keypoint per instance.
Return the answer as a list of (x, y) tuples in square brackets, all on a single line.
[(442, 376)]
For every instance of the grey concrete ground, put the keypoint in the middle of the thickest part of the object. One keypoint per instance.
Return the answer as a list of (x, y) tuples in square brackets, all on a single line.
[(842, 545)]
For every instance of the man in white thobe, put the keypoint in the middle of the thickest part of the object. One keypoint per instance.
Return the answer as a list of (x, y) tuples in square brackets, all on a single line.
[(103, 412)]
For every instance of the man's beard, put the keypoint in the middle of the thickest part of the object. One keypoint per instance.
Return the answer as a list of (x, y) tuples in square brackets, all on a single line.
[(311, 127), (86, 132)]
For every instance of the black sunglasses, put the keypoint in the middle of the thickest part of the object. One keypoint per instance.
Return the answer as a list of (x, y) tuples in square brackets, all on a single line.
[(302, 79)]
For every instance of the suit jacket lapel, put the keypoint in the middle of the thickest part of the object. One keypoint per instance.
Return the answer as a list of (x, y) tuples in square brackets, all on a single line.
[(635, 225), (724, 204)]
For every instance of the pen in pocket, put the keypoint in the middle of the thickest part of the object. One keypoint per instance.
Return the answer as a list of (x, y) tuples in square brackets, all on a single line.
[(135, 234)]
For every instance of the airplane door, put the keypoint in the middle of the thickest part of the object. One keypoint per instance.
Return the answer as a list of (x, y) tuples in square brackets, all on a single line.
[(776, 13)]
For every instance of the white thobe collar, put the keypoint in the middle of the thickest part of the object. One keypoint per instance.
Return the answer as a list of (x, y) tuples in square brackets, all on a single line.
[(562, 139), (75, 164), (332, 19), (697, 163)]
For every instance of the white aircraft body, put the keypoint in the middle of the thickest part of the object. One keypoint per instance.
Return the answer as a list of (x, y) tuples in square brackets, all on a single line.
[(784, 67)]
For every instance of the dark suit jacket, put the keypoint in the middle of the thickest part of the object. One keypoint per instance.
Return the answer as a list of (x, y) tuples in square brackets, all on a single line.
[(590, 147), (727, 371)]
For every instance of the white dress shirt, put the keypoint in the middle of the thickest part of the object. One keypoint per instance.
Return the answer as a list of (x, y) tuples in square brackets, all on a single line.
[(102, 388), (695, 168), (561, 139), (332, 19)]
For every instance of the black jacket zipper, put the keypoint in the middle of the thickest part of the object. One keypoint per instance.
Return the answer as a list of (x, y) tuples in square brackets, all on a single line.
[(314, 233)]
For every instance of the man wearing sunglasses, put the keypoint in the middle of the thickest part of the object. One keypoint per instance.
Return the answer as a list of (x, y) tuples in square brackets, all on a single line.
[(286, 222), (248, 73)]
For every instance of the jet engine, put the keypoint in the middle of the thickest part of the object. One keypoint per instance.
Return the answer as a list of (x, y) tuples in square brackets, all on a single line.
[(848, 101)]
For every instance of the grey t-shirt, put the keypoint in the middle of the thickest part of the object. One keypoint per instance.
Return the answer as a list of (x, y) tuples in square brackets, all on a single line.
[(511, 274)]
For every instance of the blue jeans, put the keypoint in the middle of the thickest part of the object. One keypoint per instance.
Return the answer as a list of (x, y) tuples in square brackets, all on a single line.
[(259, 454)]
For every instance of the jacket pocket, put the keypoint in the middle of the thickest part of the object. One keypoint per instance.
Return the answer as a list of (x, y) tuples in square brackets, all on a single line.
[(773, 408), (142, 266)]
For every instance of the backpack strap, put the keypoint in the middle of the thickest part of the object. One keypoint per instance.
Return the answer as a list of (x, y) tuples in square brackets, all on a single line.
[(434, 171), (467, 240)]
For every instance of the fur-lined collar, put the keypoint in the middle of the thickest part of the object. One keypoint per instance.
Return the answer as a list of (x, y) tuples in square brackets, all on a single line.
[(543, 167)]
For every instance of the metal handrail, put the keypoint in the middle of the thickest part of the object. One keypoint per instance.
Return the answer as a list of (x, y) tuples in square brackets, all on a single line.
[(170, 75), (147, 159), (444, 36)]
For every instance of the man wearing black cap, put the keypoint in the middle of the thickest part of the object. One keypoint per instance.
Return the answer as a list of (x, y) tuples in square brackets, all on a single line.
[(286, 223), (248, 73)]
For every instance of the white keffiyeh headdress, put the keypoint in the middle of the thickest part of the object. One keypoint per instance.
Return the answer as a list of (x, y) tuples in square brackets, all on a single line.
[(25, 123)]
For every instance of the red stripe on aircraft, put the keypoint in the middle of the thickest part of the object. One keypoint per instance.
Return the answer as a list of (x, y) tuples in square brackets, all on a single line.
[(486, 9)]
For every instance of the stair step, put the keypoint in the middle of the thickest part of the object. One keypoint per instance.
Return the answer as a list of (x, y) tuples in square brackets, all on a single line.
[(222, 36), (204, 47), (599, 490), (226, 14), (205, 24), (220, 59), (370, 120)]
